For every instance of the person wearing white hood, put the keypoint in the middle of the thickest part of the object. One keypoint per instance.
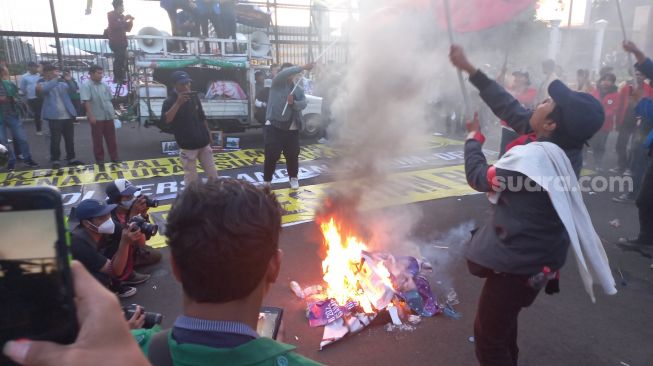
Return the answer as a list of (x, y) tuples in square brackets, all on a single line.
[(95, 227), (537, 210)]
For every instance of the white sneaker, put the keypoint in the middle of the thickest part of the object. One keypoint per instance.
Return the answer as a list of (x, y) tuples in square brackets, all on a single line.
[(322, 141), (294, 183)]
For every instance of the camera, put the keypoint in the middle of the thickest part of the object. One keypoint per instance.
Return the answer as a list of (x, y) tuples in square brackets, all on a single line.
[(149, 230), (151, 202), (151, 319)]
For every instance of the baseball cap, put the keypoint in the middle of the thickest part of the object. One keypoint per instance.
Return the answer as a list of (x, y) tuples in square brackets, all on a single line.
[(120, 187), (90, 208), (180, 77), (582, 115)]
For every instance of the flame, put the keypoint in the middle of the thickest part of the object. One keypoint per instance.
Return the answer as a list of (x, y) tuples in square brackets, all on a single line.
[(347, 275)]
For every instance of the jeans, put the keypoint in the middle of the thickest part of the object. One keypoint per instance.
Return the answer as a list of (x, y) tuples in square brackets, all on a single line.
[(495, 327), (14, 124), (59, 127), (277, 141), (119, 61), (106, 130), (35, 105), (189, 162)]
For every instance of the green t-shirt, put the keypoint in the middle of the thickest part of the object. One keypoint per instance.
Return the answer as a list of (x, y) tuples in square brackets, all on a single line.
[(259, 352)]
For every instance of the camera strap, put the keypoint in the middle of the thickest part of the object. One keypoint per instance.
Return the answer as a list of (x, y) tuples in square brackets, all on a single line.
[(158, 352)]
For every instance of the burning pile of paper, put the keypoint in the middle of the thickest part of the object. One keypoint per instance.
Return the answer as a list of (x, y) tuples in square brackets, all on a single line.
[(359, 284)]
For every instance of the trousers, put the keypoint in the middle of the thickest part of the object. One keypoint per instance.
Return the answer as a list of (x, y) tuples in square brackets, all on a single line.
[(277, 141), (104, 130)]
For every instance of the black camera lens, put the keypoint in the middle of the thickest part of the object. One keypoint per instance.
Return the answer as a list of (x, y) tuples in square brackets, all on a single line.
[(151, 319), (149, 230), (151, 202)]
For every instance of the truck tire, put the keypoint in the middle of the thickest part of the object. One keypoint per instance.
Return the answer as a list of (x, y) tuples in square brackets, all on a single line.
[(312, 126)]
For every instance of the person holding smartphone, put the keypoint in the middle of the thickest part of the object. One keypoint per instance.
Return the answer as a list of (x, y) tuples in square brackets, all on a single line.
[(224, 229), (89, 245), (183, 111)]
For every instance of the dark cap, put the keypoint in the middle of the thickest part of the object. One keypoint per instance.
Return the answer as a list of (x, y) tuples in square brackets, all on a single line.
[(90, 208), (120, 187), (32, 64), (181, 77), (582, 115)]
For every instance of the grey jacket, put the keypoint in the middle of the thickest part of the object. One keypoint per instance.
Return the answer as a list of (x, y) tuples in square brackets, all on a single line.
[(279, 95)]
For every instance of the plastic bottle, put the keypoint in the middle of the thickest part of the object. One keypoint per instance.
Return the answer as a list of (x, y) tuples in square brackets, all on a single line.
[(296, 289)]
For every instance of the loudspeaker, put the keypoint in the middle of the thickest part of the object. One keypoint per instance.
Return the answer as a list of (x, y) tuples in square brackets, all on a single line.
[(150, 45), (260, 44)]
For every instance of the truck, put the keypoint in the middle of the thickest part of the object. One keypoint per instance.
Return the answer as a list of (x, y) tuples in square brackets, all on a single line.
[(222, 71)]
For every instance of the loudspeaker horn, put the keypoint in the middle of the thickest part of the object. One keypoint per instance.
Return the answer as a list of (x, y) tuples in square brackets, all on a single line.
[(260, 44), (150, 45)]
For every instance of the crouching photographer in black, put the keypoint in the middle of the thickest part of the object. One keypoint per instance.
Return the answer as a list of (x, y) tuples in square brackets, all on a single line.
[(130, 208)]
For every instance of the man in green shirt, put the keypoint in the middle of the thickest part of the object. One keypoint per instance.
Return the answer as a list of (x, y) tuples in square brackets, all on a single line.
[(224, 249), (96, 96)]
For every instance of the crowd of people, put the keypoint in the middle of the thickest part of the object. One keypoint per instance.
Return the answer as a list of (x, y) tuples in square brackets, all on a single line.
[(229, 229)]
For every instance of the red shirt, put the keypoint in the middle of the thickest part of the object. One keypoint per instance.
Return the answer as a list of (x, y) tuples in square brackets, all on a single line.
[(611, 105), (118, 28)]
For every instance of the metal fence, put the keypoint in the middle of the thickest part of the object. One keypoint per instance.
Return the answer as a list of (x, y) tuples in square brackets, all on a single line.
[(295, 44)]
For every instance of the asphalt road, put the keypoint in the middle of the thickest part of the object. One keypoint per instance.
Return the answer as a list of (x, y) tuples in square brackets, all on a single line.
[(564, 329)]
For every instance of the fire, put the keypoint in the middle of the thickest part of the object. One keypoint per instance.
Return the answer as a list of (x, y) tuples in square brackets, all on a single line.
[(347, 275)]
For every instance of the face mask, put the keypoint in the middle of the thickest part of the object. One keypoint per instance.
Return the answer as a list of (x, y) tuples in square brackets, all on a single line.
[(106, 227), (127, 203)]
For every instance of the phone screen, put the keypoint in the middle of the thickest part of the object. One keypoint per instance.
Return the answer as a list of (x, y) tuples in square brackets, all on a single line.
[(269, 320), (35, 291)]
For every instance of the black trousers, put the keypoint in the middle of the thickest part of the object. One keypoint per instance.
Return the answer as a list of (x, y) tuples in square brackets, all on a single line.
[(644, 204), (495, 328), (277, 141), (35, 105), (119, 61), (65, 128)]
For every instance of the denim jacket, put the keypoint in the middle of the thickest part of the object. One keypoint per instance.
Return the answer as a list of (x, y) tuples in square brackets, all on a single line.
[(52, 90)]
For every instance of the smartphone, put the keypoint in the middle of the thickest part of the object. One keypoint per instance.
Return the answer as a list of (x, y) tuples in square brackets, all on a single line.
[(269, 321), (36, 291)]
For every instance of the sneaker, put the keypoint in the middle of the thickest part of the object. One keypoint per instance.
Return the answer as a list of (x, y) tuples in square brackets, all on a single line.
[(628, 173), (322, 141), (39, 133), (75, 162), (638, 241), (146, 256), (126, 291), (294, 183), (56, 165), (616, 170), (624, 198), (11, 166), (115, 161), (136, 278), (31, 163)]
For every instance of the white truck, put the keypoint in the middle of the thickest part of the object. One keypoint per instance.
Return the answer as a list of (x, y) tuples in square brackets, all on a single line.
[(224, 81)]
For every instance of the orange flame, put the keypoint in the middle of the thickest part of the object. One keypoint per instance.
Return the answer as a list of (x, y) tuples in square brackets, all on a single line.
[(347, 275)]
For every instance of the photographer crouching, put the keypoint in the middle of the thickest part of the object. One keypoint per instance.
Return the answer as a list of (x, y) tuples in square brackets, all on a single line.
[(132, 208)]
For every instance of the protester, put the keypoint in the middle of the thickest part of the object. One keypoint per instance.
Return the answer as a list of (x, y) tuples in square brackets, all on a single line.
[(10, 121), (74, 96), (548, 68), (224, 229), (103, 338), (119, 25), (28, 88), (525, 242), (259, 79), (644, 200), (281, 131), (583, 82), (100, 113), (226, 19), (183, 111), (123, 194), (629, 96), (91, 245), (261, 101), (59, 112), (608, 95)]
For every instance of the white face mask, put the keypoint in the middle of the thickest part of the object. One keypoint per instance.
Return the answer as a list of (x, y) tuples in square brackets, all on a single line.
[(127, 203), (106, 227)]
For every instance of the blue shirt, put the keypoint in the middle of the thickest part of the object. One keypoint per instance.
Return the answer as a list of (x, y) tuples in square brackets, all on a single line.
[(56, 100), (28, 84)]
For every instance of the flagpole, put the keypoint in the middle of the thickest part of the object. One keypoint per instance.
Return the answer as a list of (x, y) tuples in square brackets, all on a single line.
[(623, 32), (461, 81)]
